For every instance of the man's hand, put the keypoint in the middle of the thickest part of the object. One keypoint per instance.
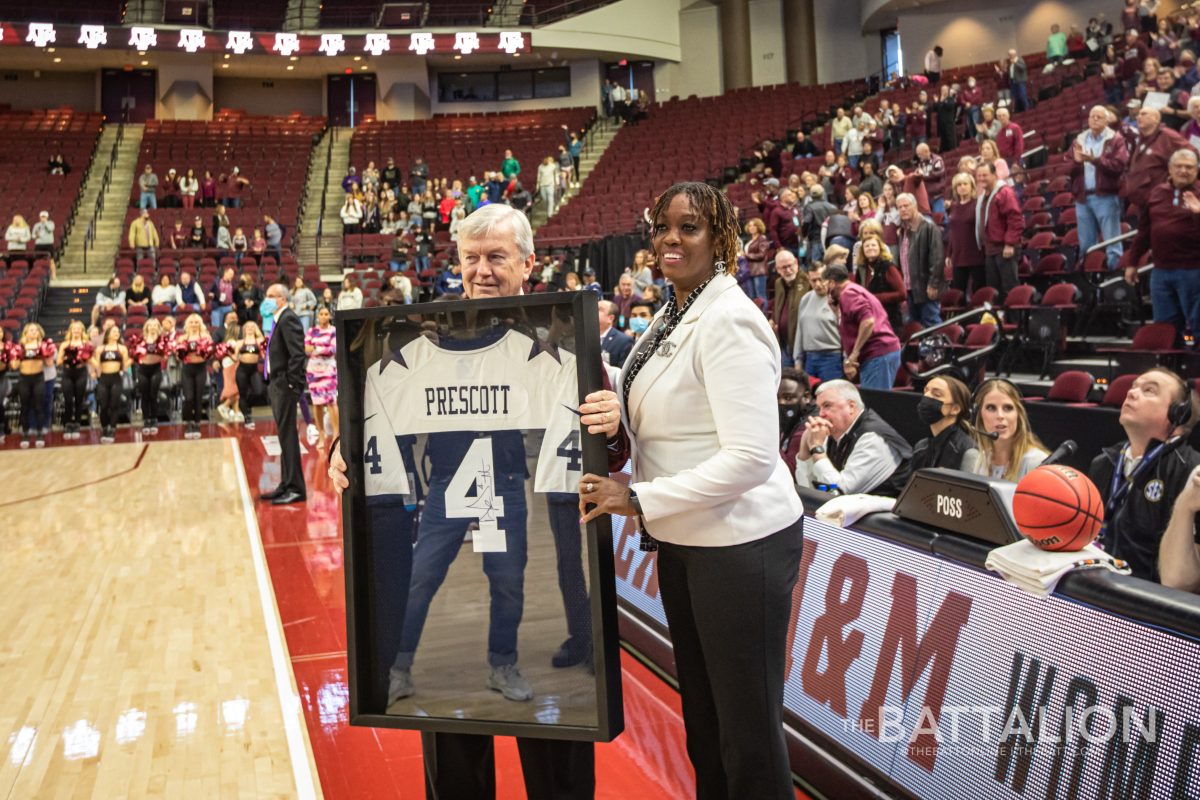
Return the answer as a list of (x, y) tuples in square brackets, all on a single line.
[(1131, 275), (601, 412), (1189, 498), (606, 497), (337, 472), (1008, 251), (816, 432), (1191, 202)]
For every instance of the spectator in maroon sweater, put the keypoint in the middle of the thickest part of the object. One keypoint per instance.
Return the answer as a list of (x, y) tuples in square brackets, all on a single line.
[(930, 166), (781, 218), (964, 256), (1011, 140), (971, 101), (1132, 53), (871, 346), (999, 225), (1149, 155), (916, 129), (758, 250), (1098, 159), (1170, 228), (912, 183)]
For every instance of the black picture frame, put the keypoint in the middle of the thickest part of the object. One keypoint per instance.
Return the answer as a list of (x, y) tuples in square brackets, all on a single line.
[(365, 656)]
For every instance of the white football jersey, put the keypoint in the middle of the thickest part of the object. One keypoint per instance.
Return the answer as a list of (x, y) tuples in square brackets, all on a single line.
[(514, 383)]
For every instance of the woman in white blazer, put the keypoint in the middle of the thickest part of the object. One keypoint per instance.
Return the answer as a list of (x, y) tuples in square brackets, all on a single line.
[(698, 397)]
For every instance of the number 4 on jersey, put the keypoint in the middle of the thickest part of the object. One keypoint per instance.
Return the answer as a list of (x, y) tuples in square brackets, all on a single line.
[(568, 448), (372, 456), (478, 470)]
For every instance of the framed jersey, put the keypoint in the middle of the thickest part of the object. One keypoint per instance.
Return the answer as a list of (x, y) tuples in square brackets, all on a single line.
[(476, 602)]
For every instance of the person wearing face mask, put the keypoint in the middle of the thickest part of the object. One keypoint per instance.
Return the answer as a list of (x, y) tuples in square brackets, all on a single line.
[(640, 314), (945, 408), (1006, 448), (971, 101), (795, 406)]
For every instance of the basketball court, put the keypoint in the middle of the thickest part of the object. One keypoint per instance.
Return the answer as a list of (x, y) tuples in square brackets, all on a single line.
[(172, 636)]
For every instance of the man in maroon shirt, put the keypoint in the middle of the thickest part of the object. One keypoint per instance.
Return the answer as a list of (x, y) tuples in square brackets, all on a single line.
[(871, 346), (1148, 156), (971, 100), (782, 219), (1132, 53), (999, 224), (1170, 228), (1010, 141)]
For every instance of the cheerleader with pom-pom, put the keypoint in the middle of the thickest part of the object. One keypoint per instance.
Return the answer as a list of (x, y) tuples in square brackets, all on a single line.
[(73, 358), (31, 353), (195, 348), (110, 361), (149, 351)]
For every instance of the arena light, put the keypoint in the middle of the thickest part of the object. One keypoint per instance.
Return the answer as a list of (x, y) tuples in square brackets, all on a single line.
[(286, 44), (377, 44), (240, 42), (421, 43), (512, 42), (142, 38), (191, 39), (332, 44), (41, 33), (466, 42), (92, 36)]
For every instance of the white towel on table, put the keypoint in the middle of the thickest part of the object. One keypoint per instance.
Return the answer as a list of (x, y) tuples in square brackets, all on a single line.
[(1038, 571), (850, 508)]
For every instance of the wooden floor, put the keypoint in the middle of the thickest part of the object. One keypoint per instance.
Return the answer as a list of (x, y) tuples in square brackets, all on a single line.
[(137, 657)]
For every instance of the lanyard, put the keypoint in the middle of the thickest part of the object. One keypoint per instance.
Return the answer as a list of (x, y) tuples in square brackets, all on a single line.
[(1118, 491)]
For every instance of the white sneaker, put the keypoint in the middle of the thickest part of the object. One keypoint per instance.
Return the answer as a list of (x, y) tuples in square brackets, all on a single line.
[(239, 416), (400, 684), (223, 412), (507, 681), (313, 435)]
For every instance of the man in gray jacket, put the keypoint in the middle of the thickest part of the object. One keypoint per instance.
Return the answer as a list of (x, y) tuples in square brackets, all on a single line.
[(921, 263), (817, 345)]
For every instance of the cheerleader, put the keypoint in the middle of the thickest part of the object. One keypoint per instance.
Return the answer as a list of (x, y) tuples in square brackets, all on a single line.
[(194, 347), (110, 361), (321, 345), (228, 406), (73, 358), (29, 356), (249, 352), (150, 353)]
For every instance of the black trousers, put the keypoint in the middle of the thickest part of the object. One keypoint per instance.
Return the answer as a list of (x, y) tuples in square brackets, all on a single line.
[(461, 766), (194, 380), (31, 389), (149, 380), (1002, 273), (283, 409), (975, 275), (249, 382), (74, 385), (727, 609), (108, 399)]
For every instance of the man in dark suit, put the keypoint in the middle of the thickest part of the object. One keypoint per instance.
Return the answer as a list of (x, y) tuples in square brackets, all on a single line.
[(615, 344), (286, 381)]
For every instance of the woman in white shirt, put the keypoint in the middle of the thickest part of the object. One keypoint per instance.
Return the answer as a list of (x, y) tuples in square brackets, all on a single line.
[(18, 235), (188, 186), (350, 297), (714, 495), (1007, 447), (352, 214), (165, 294)]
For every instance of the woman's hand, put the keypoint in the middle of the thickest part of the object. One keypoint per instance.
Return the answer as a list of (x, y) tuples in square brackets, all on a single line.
[(601, 412), (337, 472), (605, 495)]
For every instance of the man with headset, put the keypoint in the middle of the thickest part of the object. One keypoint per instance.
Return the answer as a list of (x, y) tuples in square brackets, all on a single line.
[(1140, 478)]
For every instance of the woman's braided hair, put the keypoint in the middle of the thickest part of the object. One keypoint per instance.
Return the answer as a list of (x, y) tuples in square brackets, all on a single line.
[(714, 208)]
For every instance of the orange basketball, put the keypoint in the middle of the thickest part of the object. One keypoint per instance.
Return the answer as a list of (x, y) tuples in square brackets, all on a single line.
[(1058, 508)]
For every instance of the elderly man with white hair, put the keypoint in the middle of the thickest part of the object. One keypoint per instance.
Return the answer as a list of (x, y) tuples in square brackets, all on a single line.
[(848, 448), (922, 262), (1010, 140), (1099, 158)]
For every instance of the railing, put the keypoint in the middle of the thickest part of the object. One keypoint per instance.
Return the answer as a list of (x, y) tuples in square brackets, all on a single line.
[(325, 192), (439, 15), (89, 240)]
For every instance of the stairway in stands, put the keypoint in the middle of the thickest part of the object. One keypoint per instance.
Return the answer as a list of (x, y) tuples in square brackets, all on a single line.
[(66, 302), (337, 158), (596, 142), (98, 260)]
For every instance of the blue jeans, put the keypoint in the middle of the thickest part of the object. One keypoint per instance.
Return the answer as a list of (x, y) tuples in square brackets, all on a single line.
[(218, 315), (568, 550), (825, 366), (1099, 219), (1020, 94), (148, 200), (785, 358), (438, 542), (1175, 296), (853, 160), (923, 310), (938, 205), (879, 372), (758, 287)]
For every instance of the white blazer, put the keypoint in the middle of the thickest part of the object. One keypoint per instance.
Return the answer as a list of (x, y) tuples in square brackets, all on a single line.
[(704, 427)]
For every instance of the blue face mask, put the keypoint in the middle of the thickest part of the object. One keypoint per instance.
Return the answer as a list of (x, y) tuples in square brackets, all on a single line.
[(267, 307), (639, 324)]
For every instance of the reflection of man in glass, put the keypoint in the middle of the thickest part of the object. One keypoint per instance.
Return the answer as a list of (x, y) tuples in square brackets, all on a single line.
[(495, 246)]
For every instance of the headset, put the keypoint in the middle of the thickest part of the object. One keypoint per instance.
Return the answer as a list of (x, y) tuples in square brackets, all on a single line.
[(1178, 414), (977, 399)]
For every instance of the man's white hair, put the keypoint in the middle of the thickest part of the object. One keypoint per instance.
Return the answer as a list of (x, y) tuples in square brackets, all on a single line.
[(482, 223), (908, 198), (843, 389)]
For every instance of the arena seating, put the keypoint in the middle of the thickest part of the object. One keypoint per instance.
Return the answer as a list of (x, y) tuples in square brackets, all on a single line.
[(645, 158), (271, 152), (22, 288)]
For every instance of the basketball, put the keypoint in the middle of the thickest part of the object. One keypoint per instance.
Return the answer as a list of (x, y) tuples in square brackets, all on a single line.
[(1058, 508)]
